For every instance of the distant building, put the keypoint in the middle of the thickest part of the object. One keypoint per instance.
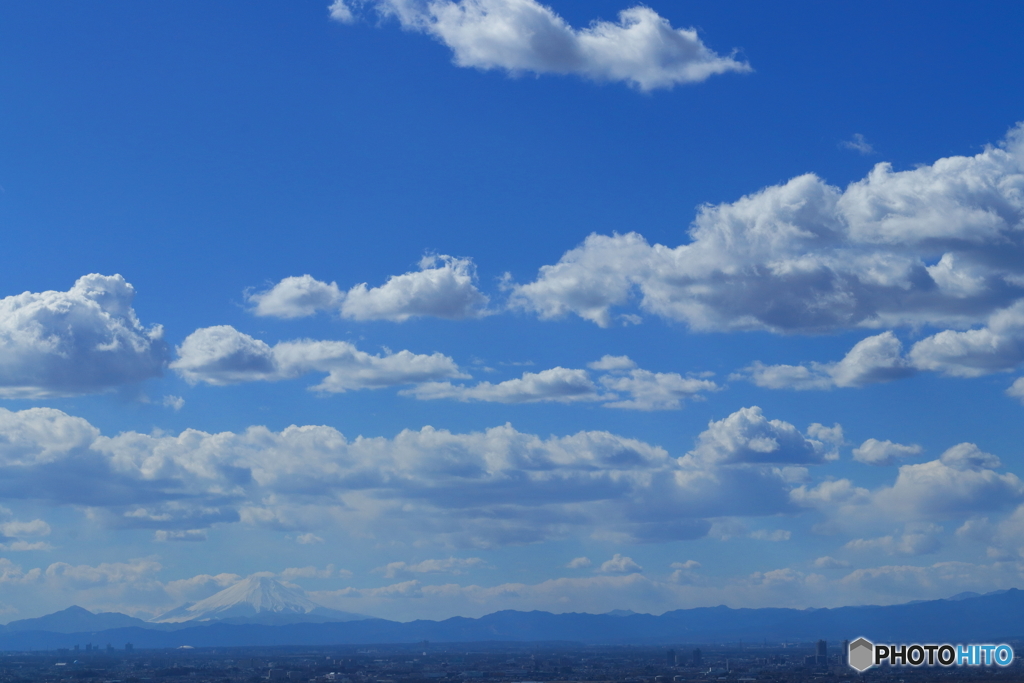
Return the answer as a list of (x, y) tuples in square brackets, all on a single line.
[(821, 653), (670, 657), (697, 659), (129, 647)]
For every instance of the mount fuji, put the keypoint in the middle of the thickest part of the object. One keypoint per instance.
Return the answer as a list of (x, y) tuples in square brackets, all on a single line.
[(256, 600)]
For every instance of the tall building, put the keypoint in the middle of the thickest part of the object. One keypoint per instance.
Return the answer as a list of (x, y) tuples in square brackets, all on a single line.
[(670, 657), (697, 659), (821, 653)]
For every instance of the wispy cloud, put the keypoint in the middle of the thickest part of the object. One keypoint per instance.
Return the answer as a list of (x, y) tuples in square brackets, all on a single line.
[(858, 144)]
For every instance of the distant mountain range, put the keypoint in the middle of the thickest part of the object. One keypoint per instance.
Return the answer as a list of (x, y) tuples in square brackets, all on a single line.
[(246, 616)]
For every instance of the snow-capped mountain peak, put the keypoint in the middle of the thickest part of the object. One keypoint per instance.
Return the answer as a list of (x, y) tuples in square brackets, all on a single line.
[(259, 599)]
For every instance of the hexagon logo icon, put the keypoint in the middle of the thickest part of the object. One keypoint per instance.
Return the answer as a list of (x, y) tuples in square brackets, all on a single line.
[(861, 655)]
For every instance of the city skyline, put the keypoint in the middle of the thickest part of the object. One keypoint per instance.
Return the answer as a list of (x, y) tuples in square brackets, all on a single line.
[(443, 308)]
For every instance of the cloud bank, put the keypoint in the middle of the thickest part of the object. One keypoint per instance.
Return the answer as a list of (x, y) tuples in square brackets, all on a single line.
[(478, 489), (524, 36)]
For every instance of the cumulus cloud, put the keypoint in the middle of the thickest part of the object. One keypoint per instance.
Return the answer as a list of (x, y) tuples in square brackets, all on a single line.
[(619, 564), (875, 452), (296, 297), (938, 245), (875, 359), (451, 565), (444, 287), (962, 482), (996, 347), (747, 436), (222, 355), (85, 340), (524, 36), (646, 390), (579, 563)]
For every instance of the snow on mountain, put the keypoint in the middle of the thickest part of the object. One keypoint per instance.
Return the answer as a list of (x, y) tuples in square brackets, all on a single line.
[(256, 600)]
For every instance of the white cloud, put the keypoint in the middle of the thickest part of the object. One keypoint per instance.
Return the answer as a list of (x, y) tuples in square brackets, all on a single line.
[(859, 144), (962, 481), (875, 452), (443, 291), (35, 527), (997, 347), (830, 494), (799, 377), (340, 11), (655, 390), (81, 575), (558, 384), (747, 436), (775, 535), (927, 582), (689, 564), (647, 390), (967, 456), (579, 563), (163, 535), (613, 363), (310, 572), (1016, 389), (85, 340), (296, 297), (308, 539), (938, 245), (444, 287), (915, 540), (619, 564), (198, 587), (828, 562), (451, 565), (175, 403), (22, 546), (518, 36), (222, 355)]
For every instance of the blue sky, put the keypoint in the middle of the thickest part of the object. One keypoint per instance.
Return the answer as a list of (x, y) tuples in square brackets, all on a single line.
[(443, 308)]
